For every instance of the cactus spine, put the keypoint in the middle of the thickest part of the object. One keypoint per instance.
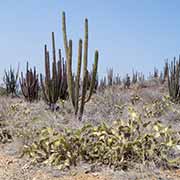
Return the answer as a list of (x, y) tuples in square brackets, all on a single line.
[(73, 84), (29, 84)]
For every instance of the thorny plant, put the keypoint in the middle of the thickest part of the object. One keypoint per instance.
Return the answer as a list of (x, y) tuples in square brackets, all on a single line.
[(117, 146)]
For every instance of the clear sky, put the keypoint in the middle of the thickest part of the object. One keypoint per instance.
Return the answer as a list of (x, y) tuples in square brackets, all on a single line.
[(137, 34)]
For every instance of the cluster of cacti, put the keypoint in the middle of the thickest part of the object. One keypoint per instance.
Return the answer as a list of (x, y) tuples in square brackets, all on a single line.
[(102, 84), (163, 77), (11, 81), (63, 95), (112, 79), (109, 80), (174, 80), (141, 77), (29, 84), (78, 99), (55, 84), (117, 80), (61, 83)]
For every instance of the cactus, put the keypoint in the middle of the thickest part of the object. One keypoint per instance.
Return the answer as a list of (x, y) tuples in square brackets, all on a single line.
[(11, 81), (29, 84), (156, 74), (174, 80), (141, 77), (63, 94), (55, 85), (110, 76), (166, 69), (89, 78), (102, 84), (135, 77), (127, 81), (161, 77), (74, 83), (117, 80)]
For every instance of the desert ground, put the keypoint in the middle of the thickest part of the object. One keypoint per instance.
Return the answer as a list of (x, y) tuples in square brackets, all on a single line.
[(21, 121)]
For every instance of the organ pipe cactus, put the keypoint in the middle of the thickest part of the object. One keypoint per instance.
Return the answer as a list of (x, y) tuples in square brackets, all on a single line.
[(174, 80), (29, 84), (11, 81), (166, 69), (117, 80), (89, 78), (102, 84), (78, 101), (127, 81), (55, 83), (110, 76), (63, 93), (155, 73), (134, 77)]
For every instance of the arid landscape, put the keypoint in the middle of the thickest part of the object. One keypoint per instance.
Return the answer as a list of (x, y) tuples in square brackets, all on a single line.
[(64, 117)]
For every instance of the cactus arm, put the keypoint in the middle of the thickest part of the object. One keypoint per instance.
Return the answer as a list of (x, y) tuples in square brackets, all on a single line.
[(69, 73), (47, 65), (77, 81), (65, 34), (43, 89), (85, 72), (95, 67)]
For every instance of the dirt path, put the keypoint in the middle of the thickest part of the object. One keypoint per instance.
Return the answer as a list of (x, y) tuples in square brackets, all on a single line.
[(12, 168)]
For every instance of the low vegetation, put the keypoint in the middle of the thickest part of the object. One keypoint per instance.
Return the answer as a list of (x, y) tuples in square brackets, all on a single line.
[(118, 146)]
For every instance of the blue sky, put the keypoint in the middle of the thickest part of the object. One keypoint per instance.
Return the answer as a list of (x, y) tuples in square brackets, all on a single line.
[(137, 34)]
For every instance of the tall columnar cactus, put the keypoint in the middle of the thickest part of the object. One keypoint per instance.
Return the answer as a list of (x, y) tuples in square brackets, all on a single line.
[(89, 78), (117, 80), (55, 83), (102, 84), (166, 69), (110, 76), (127, 81), (174, 80), (161, 77), (11, 81), (63, 94), (156, 73), (135, 77), (29, 84), (141, 77), (78, 101)]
